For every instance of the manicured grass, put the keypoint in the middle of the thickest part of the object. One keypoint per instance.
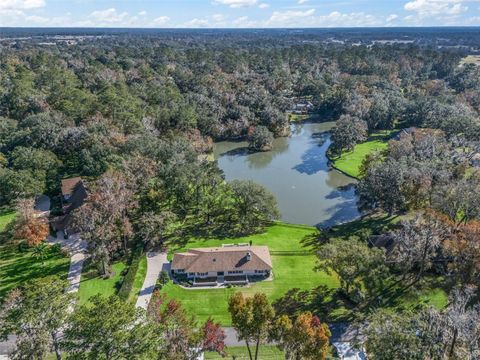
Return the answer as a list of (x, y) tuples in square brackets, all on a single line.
[(6, 218), (18, 267), (91, 284), (241, 353), (139, 278), (350, 162), (293, 267)]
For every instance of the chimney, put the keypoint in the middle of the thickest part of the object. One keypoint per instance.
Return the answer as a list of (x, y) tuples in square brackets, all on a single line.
[(249, 256)]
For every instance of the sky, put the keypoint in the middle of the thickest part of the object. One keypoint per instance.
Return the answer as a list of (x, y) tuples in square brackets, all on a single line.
[(238, 13)]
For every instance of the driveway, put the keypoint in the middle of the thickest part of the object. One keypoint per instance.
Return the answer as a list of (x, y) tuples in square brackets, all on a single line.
[(156, 263)]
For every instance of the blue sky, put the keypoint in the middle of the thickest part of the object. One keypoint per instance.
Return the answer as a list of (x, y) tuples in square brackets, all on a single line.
[(238, 13)]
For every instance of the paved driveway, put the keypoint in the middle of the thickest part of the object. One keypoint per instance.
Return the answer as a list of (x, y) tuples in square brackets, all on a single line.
[(156, 263)]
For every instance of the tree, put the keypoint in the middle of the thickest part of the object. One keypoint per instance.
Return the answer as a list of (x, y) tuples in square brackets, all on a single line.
[(452, 333), (307, 338), (252, 319), (36, 313), (17, 185), (253, 205), (261, 139), (104, 219), (418, 242), (34, 230), (464, 247), (153, 228), (213, 337), (391, 336), (108, 328), (178, 330), (358, 266), (348, 132)]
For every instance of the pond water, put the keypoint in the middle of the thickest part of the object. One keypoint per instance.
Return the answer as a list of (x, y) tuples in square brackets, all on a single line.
[(297, 172)]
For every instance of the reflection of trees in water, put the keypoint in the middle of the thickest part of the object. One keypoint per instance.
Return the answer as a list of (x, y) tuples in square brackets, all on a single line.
[(261, 160), (314, 159), (344, 211)]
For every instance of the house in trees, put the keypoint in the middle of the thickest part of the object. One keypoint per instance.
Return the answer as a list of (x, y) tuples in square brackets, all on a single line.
[(74, 194), (229, 264)]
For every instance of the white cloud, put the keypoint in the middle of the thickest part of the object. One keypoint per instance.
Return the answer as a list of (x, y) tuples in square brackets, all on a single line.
[(307, 18), (142, 13), (161, 20), (196, 23), (21, 4), (219, 17), (289, 17), (237, 3), (302, 1), (391, 17), (108, 16), (435, 8), (263, 6)]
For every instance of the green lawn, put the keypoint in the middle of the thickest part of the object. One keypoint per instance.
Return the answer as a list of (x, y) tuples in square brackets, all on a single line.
[(6, 218), (17, 267), (349, 162), (91, 284), (293, 263), (139, 278), (241, 353)]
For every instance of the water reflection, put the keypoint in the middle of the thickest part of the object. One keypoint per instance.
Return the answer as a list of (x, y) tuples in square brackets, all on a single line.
[(297, 172)]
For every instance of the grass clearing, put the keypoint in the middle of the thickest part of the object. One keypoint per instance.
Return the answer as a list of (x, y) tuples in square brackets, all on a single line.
[(291, 248), (19, 266), (91, 284), (350, 162)]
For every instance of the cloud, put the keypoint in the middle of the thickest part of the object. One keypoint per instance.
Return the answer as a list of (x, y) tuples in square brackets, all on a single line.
[(263, 6), (391, 17), (21, 4), (142, 13), (108, 16), (436, 8), (302, 1), (237, 3), (289, 17), (197, 23), (161, 20), (307, 18)]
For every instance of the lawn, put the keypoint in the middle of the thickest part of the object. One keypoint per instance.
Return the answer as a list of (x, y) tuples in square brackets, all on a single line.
[(91, 284), (139, 278), (293, 267), (241, 353), (349, 162), (17, 267)]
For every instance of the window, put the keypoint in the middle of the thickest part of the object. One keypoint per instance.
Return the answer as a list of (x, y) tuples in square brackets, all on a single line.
[(180, 271), (259, 271), (236, 272), (202, 274)]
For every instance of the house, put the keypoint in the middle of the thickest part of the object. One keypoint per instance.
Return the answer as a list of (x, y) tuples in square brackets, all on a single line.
[(229, 264), (74, 194)]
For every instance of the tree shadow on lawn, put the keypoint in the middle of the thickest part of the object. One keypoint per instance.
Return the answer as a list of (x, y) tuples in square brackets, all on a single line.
[(220, 231), (328, 304), (23, 268)]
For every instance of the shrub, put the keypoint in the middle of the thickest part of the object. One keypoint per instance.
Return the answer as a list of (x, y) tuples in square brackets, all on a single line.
[(129, 279)]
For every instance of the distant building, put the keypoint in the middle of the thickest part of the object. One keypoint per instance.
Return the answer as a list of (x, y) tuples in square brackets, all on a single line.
[(232, 264)]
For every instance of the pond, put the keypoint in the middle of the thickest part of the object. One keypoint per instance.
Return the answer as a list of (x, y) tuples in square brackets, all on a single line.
[(297, 172)]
